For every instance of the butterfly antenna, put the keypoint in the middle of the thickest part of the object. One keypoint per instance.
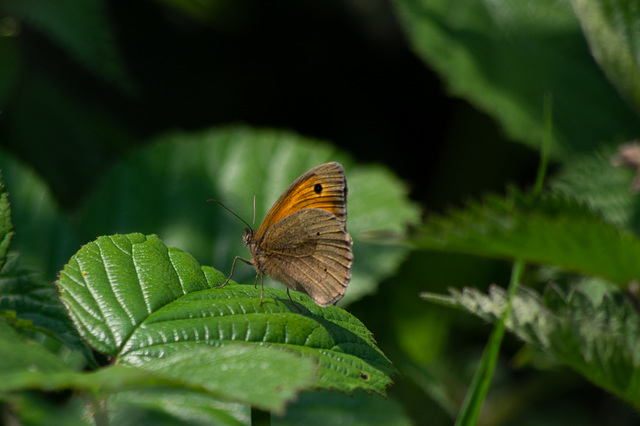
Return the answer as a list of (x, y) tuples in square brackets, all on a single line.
[(235, 214), (254, 211)]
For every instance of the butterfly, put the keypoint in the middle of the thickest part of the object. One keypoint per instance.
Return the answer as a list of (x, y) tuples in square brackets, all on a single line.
[(303, 241)]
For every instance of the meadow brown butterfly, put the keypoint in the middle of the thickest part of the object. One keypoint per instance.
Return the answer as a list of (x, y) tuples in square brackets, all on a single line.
[(303, 241)]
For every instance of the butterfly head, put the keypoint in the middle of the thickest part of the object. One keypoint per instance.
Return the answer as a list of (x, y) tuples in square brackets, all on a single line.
[(247, 236)]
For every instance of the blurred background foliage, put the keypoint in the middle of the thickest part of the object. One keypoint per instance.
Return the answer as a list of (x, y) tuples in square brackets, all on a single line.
[(446, 94)]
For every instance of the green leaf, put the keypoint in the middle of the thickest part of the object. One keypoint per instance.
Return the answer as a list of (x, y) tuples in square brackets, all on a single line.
[(79, 26), (20, 355), (156, 308), (112, 285), (593, 181), (217, 371), (6, 226), (503, 56), (43, 316), (262, 376), (163, 190), (109, 379), (31, 408), (331, 408), (597, 337), (611, 28), (47, 237), (174, 406), (29, 366), (546, 230)]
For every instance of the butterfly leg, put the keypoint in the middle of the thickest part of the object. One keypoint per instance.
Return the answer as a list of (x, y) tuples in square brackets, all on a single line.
[(233, 265), (294, 303), (255, 284)]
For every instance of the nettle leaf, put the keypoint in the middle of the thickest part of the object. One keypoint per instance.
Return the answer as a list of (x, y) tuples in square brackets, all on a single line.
[(597, 337), (163, 190), (546, 230), (504, 56), (592, 180), (6, 226), (155, 308)]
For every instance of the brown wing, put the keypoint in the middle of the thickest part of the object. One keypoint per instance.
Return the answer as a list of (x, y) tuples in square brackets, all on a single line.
[(308, 251), (323, 187)]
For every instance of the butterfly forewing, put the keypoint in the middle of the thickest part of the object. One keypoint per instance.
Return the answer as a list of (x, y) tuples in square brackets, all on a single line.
[(303, 242), (323, 187)]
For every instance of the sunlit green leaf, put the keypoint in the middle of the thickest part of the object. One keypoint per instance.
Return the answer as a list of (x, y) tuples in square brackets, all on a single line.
[(156, 308)]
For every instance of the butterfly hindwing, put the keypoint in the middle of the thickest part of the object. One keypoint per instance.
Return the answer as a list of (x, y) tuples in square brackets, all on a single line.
[(308, 251)]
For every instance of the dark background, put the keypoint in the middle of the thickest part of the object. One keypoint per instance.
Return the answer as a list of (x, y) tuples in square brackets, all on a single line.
[(334, 70)]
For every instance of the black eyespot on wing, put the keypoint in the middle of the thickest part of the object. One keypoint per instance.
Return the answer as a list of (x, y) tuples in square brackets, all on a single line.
[(317, 188)]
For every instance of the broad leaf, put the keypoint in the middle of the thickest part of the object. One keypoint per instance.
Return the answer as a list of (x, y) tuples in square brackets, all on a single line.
[(41, 313), (156, 308), (174, 406), (263, 376), (47, 238), (611, 28), (597, 337), (544, 230), (19, 355), (6, 226), (26, 365), (331, 408), (33, 408), (504, 56)]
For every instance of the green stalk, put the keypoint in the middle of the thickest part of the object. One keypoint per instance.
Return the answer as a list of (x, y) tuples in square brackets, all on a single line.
[(470, 410)]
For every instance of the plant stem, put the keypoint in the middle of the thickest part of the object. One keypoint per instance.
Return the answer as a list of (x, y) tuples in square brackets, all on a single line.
[(547, 137), (470, 410)]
